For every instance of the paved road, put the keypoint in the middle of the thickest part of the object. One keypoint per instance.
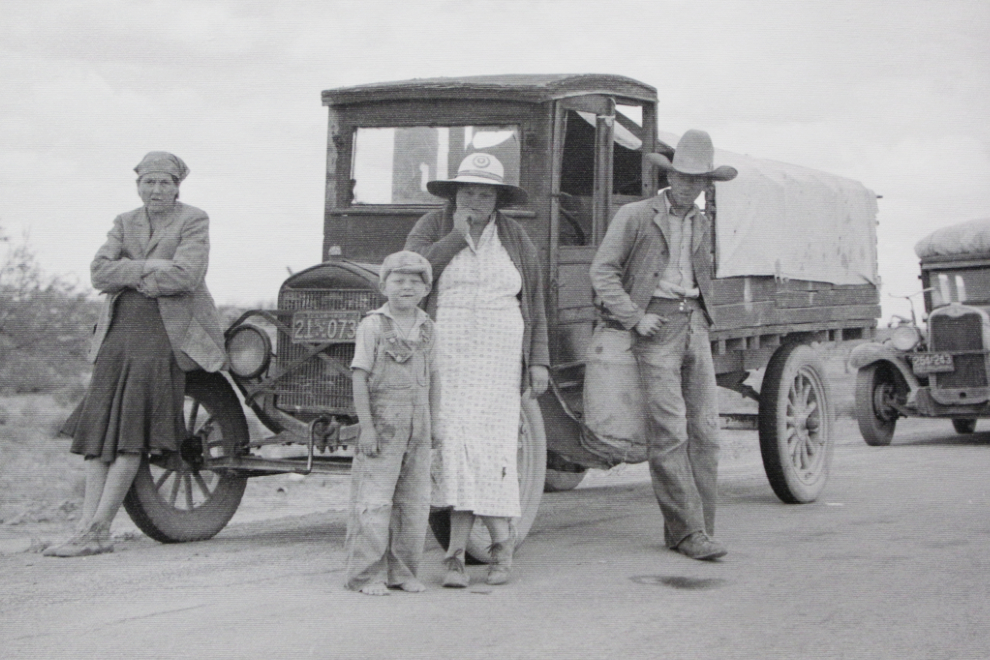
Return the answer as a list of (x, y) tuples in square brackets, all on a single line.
[(892, 562)]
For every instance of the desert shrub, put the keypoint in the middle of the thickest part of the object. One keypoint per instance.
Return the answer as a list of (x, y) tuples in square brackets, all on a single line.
[(45, 325)]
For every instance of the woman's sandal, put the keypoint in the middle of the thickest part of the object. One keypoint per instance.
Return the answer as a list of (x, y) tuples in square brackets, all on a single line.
[(456, 577), (94, 541), (501, 556)]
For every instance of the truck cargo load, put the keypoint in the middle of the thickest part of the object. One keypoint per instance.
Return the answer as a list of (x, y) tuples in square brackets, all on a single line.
[(971, 237), (794, 222)]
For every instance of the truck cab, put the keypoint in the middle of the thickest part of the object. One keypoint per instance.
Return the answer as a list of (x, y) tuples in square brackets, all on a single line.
[(575, 143)]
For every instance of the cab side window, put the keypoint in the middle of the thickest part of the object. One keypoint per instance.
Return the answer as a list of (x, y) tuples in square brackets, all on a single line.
[(577, 179), (577, 176)]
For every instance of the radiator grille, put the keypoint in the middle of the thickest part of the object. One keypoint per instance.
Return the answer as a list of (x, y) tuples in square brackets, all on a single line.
[(316, 386), (960, 333)]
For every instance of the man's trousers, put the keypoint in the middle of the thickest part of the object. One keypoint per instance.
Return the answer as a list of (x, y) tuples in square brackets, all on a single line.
[(678, 376)]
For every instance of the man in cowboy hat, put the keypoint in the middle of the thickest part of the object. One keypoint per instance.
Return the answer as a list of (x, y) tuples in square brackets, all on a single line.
[(652, 276)]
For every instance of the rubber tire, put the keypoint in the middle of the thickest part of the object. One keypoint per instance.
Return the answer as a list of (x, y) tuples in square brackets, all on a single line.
[(876, 426), (964, 426), (150, 508), (797, 471), (559, 481), (531, 465)]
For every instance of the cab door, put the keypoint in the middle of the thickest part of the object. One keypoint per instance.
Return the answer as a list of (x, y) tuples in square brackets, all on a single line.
[(599, 165)]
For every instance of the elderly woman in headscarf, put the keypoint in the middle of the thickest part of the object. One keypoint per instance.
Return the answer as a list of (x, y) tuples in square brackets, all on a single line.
[(158, 322), (491, 346)]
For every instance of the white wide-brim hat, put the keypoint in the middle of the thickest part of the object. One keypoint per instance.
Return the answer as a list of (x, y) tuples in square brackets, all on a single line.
[(479, 168), (694, 156)]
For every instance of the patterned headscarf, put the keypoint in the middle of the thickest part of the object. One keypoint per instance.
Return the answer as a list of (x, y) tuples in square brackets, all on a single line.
[(162, 161)]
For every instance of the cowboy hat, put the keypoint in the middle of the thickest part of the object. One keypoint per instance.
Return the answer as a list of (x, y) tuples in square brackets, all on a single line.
[(479, 168), (694, 156)]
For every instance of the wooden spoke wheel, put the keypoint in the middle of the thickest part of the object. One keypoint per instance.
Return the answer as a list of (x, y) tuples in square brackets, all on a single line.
[(175, 498), (795, 422)]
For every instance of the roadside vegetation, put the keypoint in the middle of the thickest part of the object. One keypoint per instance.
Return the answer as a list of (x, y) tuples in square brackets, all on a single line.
[(46, 322)]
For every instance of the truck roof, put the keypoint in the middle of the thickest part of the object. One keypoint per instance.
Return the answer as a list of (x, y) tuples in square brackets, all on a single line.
[(532, 88), (965, 239)]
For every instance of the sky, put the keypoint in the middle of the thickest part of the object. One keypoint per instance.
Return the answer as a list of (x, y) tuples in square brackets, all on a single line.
[(891, 93)]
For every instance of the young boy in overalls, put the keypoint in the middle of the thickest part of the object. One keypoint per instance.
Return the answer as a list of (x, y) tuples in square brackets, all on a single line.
[(395, 391)]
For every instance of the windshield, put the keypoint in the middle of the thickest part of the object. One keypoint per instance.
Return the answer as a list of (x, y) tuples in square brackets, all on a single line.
[(963, 286), (392, 165)]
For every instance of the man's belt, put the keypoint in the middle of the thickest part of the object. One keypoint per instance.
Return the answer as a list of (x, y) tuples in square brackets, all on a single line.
[(662, 306), (612, 324)]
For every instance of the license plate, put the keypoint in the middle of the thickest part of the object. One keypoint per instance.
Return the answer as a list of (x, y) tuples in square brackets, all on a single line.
[(932, 363), (324, 327)]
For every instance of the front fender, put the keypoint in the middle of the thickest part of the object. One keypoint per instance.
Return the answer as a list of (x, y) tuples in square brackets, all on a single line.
[(870, 353)]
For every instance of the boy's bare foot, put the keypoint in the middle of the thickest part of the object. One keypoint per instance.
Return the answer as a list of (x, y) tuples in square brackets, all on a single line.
[(375, 589), (412, 586)]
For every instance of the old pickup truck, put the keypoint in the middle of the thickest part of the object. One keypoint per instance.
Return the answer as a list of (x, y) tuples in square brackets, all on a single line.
[(795, 263), (944, 372)]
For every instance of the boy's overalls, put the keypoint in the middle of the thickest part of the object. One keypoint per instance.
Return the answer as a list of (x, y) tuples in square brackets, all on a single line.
[(390, 493)]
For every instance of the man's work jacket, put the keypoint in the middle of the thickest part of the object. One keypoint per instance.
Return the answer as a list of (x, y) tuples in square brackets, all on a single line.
[(634, 253)]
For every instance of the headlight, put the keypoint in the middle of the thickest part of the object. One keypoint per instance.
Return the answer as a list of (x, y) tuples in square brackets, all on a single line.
[(905, 337), (249, 350)]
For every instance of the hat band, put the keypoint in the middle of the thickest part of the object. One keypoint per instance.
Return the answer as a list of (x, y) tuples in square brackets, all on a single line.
[(484, 174), (694, 171)]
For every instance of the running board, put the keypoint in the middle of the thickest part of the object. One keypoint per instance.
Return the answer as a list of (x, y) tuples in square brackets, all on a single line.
[(256, 466), (740, 421)]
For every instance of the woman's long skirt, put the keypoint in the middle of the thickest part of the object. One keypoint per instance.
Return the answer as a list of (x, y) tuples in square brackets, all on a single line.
[(134, 400)]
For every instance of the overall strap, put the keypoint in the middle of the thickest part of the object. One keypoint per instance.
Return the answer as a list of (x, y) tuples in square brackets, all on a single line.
[(426, 333), (394, 346), (388, 329)]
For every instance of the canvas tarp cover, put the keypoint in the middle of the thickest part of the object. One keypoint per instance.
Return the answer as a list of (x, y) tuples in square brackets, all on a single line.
[(972, 237), (793, 222)]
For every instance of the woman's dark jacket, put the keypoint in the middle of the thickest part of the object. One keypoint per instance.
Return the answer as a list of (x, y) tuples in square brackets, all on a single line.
[(434, 238)]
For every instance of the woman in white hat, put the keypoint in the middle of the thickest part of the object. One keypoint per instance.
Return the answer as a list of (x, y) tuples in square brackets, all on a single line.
[(158, 322), (491, 346)]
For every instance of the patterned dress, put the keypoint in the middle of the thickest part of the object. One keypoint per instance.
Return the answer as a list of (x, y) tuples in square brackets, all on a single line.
[(479, 351)]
